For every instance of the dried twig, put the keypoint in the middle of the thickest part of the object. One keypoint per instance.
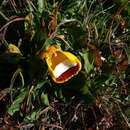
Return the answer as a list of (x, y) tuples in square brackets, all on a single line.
[(123, 115), (12, 21), (3, 93)]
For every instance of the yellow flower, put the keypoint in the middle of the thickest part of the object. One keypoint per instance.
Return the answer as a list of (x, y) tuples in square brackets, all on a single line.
[(13, 49), (62, 65)]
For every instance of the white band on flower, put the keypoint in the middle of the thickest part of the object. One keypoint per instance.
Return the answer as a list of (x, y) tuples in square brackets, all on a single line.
[(63, 67)]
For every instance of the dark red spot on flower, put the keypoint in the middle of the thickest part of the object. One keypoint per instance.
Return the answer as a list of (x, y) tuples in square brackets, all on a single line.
[(69, 73)]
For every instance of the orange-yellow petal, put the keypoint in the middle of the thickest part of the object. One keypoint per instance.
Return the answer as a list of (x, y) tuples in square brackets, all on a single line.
[(62, 65)]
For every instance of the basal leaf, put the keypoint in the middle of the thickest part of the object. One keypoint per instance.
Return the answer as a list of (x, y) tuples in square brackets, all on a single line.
[(44, 98), (32, 116), (15, 106), (87, 65)]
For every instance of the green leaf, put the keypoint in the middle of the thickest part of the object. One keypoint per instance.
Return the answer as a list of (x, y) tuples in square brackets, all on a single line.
[(44, 98), (85, 89), (59, 93), (41, 5), (87, 65), (32, 116), (121, 3), (15, 106)]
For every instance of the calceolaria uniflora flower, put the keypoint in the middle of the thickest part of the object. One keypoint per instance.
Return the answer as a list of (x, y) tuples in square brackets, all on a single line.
[(62, 65), (13, 49)]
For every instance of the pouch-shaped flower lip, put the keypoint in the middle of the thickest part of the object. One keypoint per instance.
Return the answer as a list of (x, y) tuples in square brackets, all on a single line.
[(62, 65), (13, 49)]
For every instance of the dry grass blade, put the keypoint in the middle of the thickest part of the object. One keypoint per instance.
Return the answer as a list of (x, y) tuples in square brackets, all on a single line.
[(8, 23), (3, 93)]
